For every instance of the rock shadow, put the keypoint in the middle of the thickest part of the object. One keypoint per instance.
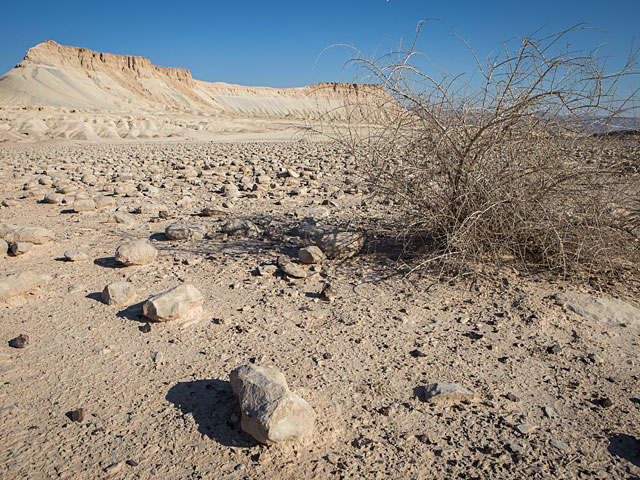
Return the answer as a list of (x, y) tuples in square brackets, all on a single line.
[(212, 404), (625, 446), (97, 296), (108, 262), (134, 313)]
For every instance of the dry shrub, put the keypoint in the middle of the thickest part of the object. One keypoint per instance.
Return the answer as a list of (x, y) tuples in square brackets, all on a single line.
[(503, 166)]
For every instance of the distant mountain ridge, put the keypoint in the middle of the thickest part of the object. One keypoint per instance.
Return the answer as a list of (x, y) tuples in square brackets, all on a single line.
[(57, 75)]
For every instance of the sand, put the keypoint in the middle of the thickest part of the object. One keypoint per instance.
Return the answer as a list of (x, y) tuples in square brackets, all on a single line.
[(162, 401)]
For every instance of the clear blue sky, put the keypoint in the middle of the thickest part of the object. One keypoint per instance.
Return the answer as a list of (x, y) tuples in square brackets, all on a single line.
[(276, 43)]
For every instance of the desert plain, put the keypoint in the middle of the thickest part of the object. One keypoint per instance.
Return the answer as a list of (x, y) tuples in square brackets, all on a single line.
[(223, 183)]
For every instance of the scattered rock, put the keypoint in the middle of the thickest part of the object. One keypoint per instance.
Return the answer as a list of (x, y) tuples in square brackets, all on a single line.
[(75, 256), (213, 212), (525, 428), (77, 415), (239, 227), (146, 328), (600, 309), (84, 205), (417, 353), (605, 402), (121, 218), (311, 255), (329, 292), (36, 235), (183, 302), (559, 444), (554, 349), (20, 341), (447, 393), (19, 282), (512, 397), (136, 252), (290, 268), (270, 411), (53, 198), (119, 293), (185, 231)]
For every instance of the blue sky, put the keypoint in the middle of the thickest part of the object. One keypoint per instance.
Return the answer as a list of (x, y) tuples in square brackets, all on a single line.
[(277, 43)]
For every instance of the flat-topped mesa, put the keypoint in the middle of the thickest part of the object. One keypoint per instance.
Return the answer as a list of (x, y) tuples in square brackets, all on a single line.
[(52, 53)]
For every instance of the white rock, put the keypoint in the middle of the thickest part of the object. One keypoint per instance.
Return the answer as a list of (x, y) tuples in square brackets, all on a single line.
[(84, 205), (270, 411), (183, 302), (136, 252), (76, 256), (311, 254), (600, 309), (119, 293), (36, 235), (443, 393), (20, 282), (185, 231)]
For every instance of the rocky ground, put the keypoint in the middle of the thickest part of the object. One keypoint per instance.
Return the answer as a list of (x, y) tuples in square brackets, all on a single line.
[(93, 390)]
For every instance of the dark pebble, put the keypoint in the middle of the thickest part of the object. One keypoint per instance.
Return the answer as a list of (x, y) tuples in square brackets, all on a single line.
[(19, 342), (132, 463), (554, 349), (146, 328), (512, 397), (605, 402), (417, 354), (77, 415)]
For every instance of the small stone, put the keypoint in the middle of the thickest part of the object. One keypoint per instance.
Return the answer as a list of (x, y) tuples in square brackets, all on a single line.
[(213, 212), (605, 402), (185, 231), (84, 205), (132, 463), (36, 235), (515, 447), (559, 444), (183, 302), (114, 468), (446, 393), (600, 309), (554, 349), (119, 293), (20, 341), (417, 353), (512, 397), (549, 412), (77, 415), (328, 292), (290, 268), (136, 252), (595, 358), (525, 428), (75, 256), (19, 282), (53, 198), (238, 227), (311, 255), (146, 328)]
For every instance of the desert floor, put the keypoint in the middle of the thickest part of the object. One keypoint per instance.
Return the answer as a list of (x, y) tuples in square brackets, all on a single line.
[(159, 404)]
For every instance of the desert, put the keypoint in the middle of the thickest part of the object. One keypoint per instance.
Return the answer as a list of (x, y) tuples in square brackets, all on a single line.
[(197, 283)]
